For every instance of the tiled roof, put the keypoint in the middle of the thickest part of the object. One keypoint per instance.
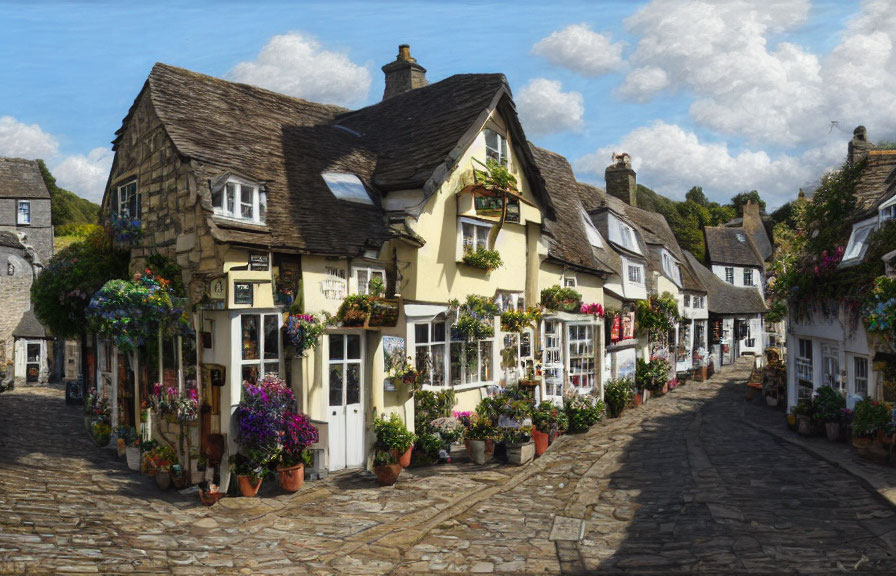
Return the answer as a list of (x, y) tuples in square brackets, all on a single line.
[(20, 178), (724, 298), (29, 327), (725, 247), (880, 170)]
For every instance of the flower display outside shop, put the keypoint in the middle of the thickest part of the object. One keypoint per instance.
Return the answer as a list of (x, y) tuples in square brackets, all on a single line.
[(168, 401), (298, 435), (548, 418), (658, 315), (303, 332), (583, 411), (129, 311), (260, 415), (595, 309)]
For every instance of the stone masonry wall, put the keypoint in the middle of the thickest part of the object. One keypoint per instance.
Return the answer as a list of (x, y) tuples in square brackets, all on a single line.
[(15, 296), (40, 232)]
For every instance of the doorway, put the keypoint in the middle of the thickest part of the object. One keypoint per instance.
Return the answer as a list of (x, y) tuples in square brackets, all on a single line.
[(345, 413)]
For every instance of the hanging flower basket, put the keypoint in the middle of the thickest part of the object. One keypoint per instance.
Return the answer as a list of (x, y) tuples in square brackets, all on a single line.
[(302, 332)]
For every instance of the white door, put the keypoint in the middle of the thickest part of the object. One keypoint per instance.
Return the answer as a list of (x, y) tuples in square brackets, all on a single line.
[(580, 347), (552, 362), (345, 414)]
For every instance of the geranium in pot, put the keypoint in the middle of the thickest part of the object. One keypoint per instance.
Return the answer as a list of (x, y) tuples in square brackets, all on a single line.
[(548, 420)]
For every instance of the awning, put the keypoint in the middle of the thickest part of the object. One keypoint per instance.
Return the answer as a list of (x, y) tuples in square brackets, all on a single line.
[(570, 317), (424, 311)]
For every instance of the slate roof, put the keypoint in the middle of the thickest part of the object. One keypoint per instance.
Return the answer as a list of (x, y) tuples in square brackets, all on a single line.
[(565, 228), (10, 240), (29, 327), (880, 170), (723, 247), (20, 178), (724, 298)]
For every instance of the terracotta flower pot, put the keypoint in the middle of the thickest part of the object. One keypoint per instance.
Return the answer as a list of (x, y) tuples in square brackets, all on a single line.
[(541, 441), (637, 399), (489, 448), (291, 478), (248, 488), (404, 459), (163, 480), (388, 474)]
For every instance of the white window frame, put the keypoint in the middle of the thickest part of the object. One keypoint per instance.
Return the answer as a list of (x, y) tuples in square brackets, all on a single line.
[(623, 234), (640, 273), (435, 380), (261, 362), (729, 274), (698, 302), (748, 277), (888, 210), (552, 358), (860, 376), (23, 217), (803, 360), (671, 268), (500, 154), (570, 281), (480, 227), (687, 300), (508, 301), (584, 349), (485, 363), (858, 240), (123, 193), (230, 196), (369, 271)]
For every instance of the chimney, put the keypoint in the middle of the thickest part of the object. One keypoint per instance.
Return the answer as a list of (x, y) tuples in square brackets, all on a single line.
[(403, 74), (859, 145), (621, 179)]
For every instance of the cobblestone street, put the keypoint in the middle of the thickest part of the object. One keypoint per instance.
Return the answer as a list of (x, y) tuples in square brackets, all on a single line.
[(688, 483)]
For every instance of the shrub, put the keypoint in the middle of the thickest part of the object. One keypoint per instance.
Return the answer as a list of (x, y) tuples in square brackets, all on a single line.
[(828, 405), (869, 417), (583, 412), (429, 444), (429, 406), (617, 394), (392, 434), (548, 418), (557, 298)]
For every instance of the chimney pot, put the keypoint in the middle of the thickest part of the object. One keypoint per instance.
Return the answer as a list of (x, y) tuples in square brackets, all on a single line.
[(621, 179), (403, 73), (404, 53)]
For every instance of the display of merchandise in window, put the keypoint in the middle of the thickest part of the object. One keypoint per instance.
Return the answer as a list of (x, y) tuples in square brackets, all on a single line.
[(260, 345), (580, 347), (429, 347)]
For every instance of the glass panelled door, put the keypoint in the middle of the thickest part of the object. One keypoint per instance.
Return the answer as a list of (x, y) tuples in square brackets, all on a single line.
[(552, 361), (580, 343), (345, 414)]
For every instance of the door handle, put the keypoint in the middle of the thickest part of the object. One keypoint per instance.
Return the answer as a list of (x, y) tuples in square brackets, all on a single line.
[(334, 413), (356, 410)]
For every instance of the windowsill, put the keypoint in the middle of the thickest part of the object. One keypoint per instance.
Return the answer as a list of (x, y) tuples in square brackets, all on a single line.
[(228, 222)]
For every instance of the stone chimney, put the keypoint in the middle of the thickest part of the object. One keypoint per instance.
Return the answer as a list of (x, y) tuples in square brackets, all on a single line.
[(621, 179), (859, 145), (403, 74), (751, 211)]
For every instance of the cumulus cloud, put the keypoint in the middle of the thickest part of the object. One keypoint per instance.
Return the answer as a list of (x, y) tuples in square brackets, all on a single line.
[(18, 139), (643, 82), (85, 175), (580, 49), (299, 66), (670, 160), (546, 109)]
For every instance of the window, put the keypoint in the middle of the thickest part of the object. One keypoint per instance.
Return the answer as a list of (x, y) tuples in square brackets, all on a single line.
[(623, 234), (687, 300), (591, 232), (804, 360), (474, 235), (128, 200), (635, 274), (741, 238), (24, 212), (429, 342), (363, 276), (345, 369), (495, 146), (888, 210), (670, 267), (569, 281), (861, 376), (857, 242), (748, 277), (240, 199), (580, 346), (471, 362), (260, 338), (699, 302), (552, 369), (347, 187), (729, 275), (508, 301)]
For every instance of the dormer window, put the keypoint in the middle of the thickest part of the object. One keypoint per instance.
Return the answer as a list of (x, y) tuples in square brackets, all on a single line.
[(888, 210), (241, 200), (496, 146), (623, 235), (742, 238), (671, 268), (591, 232), (635, 273), (347, 187)]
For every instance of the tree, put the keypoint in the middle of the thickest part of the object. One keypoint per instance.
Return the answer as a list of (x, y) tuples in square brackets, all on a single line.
[(739, 200), (696, 196), (68, 208)]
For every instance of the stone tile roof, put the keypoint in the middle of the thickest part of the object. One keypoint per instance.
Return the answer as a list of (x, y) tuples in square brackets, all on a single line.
[(565, 229), (880, 170), (724, 298), (724, 247), (20, 178), (10, 240), (29, 327)]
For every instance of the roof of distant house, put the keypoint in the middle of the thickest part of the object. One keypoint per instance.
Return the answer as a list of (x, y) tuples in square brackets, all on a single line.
[(29, 327), (20, 178), (733, 246), (722, 297)]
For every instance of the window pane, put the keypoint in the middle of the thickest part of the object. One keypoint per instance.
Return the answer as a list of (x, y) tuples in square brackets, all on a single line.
[(353, 384), (421, 333), (336, 385), (438, 364), (438, 332), (272, 368), (271, 337), (336, 347), (246, 210), (262, 206), (354, 347), (485, 361), (482, 236), (250, 336), (231, 195), (218, 198), (250, 373), (468, 236), (363, 281), (471, 362), (456, 363)]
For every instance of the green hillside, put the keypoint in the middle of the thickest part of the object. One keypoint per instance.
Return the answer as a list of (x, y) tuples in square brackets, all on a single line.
[(69, 209)]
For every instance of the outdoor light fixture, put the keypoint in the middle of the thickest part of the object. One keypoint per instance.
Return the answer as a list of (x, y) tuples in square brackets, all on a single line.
[(10, 269)]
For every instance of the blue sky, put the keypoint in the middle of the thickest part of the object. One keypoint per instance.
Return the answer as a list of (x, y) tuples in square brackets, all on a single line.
[(730, 96)]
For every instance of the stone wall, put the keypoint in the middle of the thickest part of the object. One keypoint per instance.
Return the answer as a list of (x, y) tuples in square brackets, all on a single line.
[(39, 232), (15, 295)]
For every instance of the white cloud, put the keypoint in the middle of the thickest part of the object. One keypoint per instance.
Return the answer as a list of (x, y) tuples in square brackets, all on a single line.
[(297, 65), (18, 139), (670, 161), (580, 49), (642, 82), (546, 109), (85, 175)]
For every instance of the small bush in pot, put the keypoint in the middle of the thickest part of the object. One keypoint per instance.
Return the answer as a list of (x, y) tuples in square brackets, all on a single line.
[(386, 467), (617, 394), (583, 412), (393, 435)]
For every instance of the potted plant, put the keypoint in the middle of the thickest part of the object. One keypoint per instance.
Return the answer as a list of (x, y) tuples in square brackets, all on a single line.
[(483, 258), (520, 447), (386, 467), (354, 310), (480, 432), (828, 407), (209, 493), (870, 418), (393, 435), (449, 429), (249, 473), (161, 458), (302, 332), (583, 412), (617, 393), (298, 435), (557, 298), (804, 412), (427, 448)]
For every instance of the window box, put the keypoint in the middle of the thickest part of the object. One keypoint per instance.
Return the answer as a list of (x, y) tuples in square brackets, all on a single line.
[(565, 299), (483, 258), (383, 313)]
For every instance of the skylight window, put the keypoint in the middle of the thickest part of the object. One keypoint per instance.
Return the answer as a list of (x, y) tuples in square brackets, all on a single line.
[(858, 241), (347, 187), (741, 238)]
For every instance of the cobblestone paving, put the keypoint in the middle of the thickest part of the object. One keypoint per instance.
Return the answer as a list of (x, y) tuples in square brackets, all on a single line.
[(681, 485)]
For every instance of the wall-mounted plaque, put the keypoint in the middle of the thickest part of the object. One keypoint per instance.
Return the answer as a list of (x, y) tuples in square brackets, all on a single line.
[(242, 293), (259, 261)]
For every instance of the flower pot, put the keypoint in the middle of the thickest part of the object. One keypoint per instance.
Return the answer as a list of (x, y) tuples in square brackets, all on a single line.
[(665, 388), (772, 401), (468, 447), (388, 474), (541, 441), (404, 459), (248, 486), (291, 478), (637, 400), (489, 448), (804, 425), (791, 422), (163, 480), (209, 498), (478, 453), (121, 449), (132, 453), (832, 429), (520, 454)]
